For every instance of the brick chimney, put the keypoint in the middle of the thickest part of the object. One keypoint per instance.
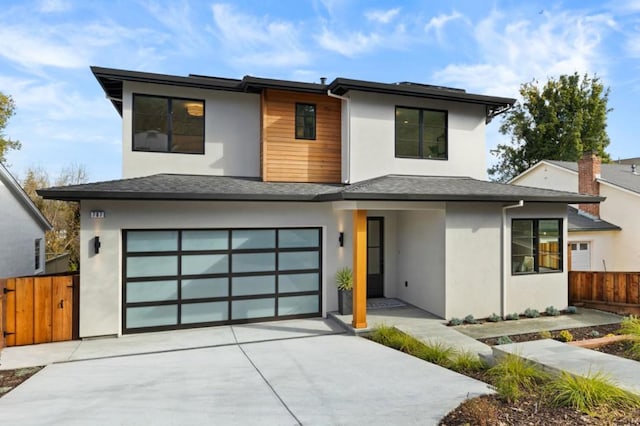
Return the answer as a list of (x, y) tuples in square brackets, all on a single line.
[(588, 173)]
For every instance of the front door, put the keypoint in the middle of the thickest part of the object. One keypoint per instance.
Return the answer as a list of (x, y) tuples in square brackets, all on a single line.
[(375, 257)]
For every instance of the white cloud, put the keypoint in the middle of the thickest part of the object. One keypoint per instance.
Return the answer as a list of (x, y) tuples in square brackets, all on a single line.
[(351, 44), (382, 16), (437, 23), (51, 6), (258, 41), (511, 53), (29, 49)]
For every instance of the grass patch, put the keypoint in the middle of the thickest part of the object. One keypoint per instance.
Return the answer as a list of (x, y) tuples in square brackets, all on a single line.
[(514, 376), (467, 362), (589, 394), (631, 325)]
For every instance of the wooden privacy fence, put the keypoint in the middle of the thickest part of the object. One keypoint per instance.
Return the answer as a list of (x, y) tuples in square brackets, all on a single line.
[(39, 309), (610, 291)]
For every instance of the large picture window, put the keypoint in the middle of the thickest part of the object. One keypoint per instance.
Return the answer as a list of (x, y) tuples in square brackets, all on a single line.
[(536, 246), (421, 133), (162, 124), (305, 121)]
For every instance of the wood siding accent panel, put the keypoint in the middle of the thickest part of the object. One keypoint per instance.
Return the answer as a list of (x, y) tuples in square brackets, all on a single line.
[(287, 159)]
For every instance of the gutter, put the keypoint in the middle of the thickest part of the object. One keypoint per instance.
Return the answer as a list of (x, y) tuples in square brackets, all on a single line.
[(505, 260), (348, 141)]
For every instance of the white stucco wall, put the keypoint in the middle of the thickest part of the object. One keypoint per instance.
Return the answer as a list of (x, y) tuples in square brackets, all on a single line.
[(232, 135), (537, 291), (18, 232), (620, 208), (372, 138), (549, 177), (101, 278), (421, 259), (473, 250)]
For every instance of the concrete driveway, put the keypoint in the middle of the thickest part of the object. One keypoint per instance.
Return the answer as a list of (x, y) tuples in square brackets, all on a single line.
[(321, 379)]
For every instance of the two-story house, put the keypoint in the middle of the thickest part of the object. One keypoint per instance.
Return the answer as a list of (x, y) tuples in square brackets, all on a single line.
[(22, 230), (240, 200)]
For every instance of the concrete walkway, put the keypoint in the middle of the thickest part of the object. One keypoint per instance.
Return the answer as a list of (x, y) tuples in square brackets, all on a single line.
[(556, 356), (285, 373)]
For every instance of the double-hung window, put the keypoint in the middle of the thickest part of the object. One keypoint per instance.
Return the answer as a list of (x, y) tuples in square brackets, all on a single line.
[(536, 246), (305, 121), (421, 133), (162, 124)]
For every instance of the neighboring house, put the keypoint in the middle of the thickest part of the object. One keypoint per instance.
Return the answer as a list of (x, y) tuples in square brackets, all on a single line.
[(240, 200), (22, 230), (601, 237)]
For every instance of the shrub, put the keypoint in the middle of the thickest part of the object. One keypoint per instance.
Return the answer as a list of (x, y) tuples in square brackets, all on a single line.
[(467, 361), (631, 325), (565, 336), (552, 311), (436, 352), (344, 279), (633, 351), (455, 321), (513, 375), (531, 313), (480, 411), (504, 340), (512, 317), (545, 334), (589, 393), (469, 319), (572, 310), (494, 317), (594, 333)]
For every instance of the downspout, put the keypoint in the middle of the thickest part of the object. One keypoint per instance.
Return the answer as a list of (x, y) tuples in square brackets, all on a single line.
[(505, 260), (348, 141)]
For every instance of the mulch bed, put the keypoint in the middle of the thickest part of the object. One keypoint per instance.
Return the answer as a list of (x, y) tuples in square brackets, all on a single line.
[(9, 379), (531, 410)]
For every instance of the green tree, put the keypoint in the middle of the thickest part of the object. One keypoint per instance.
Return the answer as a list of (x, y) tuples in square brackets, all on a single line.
[(558, 121), (7, 109), (63, 215)]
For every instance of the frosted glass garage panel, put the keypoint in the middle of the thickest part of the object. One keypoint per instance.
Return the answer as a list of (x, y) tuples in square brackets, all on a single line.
[(205, 240), (204, 312), (288, 238), (298, 260), (298, 282), (253, 239), (260, 284), (253, 262), (152, 316), (150, 266), (152, 291), (297, 305), (146, 241), (199, 264), (257, 308), (205, 287)]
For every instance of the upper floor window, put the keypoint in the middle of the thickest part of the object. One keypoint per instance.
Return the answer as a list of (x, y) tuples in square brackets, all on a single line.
[(536, 246), (305, 121), (421, 133), (162, 124)]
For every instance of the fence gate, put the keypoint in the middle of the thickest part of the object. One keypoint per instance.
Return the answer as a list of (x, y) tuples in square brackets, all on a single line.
[(39, 309)]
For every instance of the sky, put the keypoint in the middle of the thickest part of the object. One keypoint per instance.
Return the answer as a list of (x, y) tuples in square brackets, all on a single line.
[(487, 47)]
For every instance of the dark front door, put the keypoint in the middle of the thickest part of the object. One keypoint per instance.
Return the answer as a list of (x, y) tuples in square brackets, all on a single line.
[(375, 256)]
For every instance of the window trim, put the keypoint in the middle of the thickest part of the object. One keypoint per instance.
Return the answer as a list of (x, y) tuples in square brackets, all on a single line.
[(170, 100), (315, 121), (536, 237), (420, 135)]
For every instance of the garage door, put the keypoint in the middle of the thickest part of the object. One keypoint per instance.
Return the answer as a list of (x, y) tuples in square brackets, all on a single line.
[(190, 278), (580, 256)]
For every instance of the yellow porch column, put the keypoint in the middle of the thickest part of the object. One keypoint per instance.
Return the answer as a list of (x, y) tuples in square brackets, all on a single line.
[(359, 269)]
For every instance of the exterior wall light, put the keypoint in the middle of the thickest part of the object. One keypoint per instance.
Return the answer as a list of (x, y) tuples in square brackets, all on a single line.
[(96, 244), (341, 239)]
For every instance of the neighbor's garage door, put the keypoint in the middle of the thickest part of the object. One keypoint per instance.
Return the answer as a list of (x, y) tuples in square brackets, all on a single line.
[(189, 278)]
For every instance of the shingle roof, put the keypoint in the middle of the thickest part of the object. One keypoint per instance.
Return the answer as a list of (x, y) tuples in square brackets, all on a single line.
[(616, 174), (386, 188), (578, 221)]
